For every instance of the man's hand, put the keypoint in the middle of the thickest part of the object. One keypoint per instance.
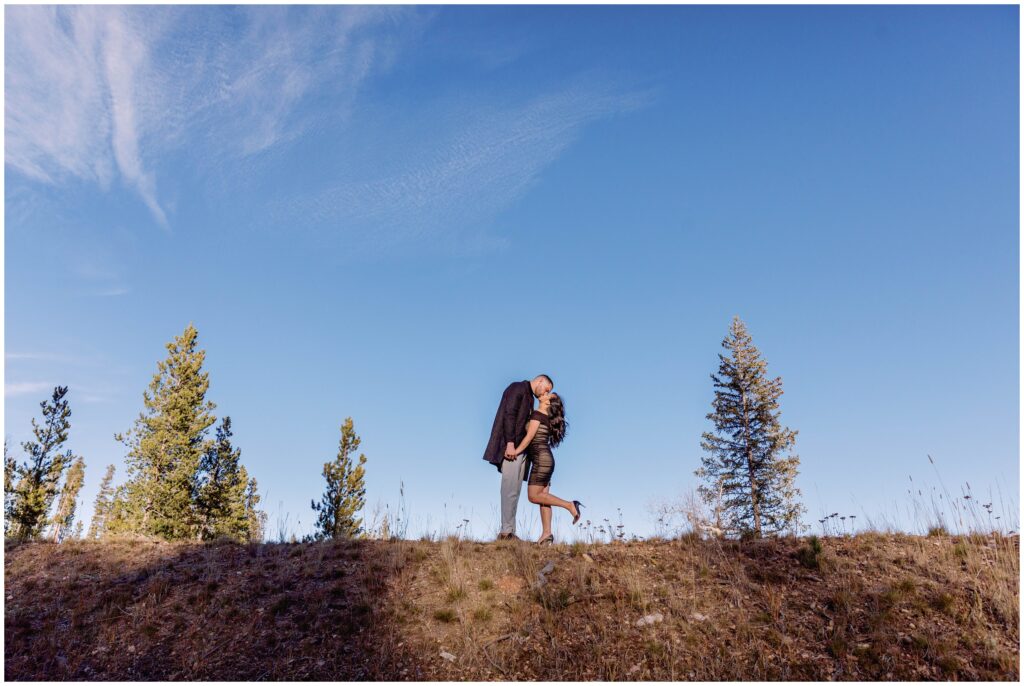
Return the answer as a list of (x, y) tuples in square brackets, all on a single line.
[(510, 451)]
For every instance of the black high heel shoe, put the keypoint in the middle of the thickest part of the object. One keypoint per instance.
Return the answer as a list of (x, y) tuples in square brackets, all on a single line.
[(550, 538), (579, 513)]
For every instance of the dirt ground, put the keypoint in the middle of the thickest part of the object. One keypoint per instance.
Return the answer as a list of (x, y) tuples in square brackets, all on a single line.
[(870, 607)]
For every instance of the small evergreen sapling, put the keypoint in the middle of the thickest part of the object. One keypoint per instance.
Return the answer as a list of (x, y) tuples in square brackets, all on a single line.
[(345, 494)]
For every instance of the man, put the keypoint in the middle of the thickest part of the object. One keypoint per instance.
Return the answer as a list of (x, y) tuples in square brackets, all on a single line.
[(508, 430)]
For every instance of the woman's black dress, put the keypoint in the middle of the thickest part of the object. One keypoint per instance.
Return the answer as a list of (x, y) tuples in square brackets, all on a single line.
[(539, 452)]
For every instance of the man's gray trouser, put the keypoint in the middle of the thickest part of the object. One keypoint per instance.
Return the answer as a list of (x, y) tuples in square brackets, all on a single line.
[(511, 484)]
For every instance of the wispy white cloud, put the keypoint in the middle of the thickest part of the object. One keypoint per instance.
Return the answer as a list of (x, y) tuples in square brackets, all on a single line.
[(26, 388), (94, 92), (61, 110), (100, 270), (105, 92), (124, 55), (464, 162), (48, 357), (43, 389), (109, 292)]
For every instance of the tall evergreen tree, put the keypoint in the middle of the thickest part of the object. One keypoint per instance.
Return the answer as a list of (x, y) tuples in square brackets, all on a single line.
[(345, 493), (220, 489), (255, 518), (166, 444), (118, 519), (102, 506), (39, 476), (64, 517), (10, 479), (746, 464)]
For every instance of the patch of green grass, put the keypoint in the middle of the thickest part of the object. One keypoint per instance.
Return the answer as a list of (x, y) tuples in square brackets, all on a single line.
[(486, 584), (837, 645), (841, 601), (937, 530), (944, 603), (654, 648), (446, 615), (482, 614), (637, 599), (456, 593), (890, 597), (553, 599), (809, 555), (906, 585), (949, 664)]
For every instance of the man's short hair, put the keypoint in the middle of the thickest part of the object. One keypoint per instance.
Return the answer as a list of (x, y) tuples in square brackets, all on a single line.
[(546, 378)]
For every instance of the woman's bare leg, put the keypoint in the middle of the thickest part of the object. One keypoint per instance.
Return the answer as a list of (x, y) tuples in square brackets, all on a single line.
[(545, 521), (539, 495)]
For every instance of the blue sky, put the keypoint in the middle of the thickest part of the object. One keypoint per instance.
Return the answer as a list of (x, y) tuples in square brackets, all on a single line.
[(390, 213)]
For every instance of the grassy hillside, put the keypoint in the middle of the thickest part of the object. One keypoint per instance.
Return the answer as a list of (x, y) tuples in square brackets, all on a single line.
[(874, 606)]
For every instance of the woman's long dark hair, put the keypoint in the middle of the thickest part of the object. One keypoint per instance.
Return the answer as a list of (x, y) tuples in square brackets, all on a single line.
[(557, 426)]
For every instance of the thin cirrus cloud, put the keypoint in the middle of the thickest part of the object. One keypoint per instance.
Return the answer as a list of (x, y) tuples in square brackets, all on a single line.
[(463, 162), (26, 388), (109, 292), (91, 378), (96, 93), (48, 357), (43, 389), (71, 97)]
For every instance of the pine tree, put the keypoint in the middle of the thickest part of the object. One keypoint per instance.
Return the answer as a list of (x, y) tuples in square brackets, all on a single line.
[(68, 502), (255, 518), (345, 492), (118, 518), (221, 486), (10, 480), (78, 530), (102, 506), (745, 462), (38, 477), (165, 446)]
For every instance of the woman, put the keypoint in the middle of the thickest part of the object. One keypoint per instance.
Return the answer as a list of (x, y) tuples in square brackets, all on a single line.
[(544, 431)]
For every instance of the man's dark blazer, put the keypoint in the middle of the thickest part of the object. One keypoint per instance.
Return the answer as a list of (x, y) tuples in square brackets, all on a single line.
[(510, 421)]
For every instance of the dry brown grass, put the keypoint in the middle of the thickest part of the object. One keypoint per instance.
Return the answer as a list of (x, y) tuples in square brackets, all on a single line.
[(878, 606)]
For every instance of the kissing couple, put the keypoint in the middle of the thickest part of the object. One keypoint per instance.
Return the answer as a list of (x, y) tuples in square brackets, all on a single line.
[(523, 436)]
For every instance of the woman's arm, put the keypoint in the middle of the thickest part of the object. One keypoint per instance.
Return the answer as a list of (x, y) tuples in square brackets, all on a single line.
[(531, 431)]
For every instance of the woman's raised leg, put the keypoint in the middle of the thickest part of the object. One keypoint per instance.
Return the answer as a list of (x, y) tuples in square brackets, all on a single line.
[(539, 495)]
